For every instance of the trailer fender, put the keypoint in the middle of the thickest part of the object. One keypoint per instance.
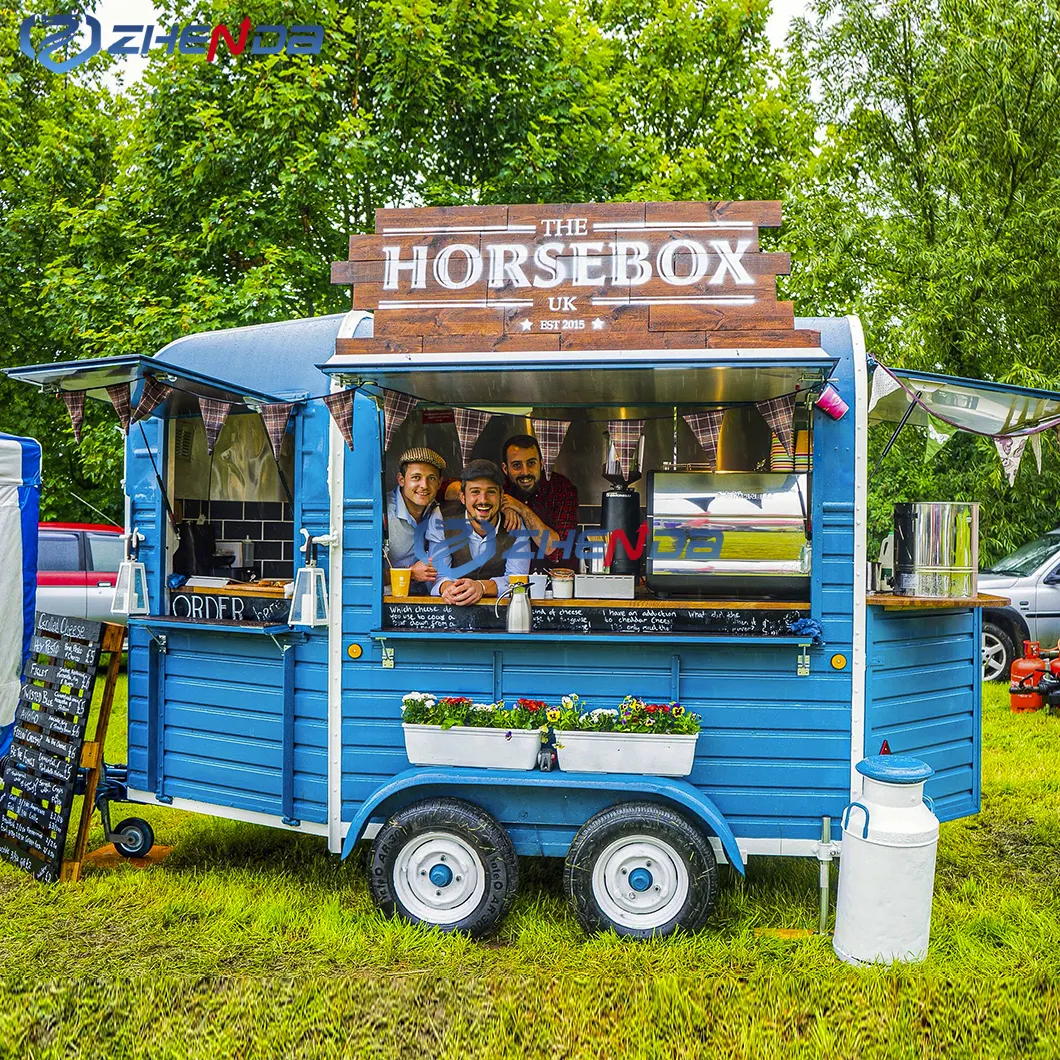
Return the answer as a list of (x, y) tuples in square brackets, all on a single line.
[(452, 780)]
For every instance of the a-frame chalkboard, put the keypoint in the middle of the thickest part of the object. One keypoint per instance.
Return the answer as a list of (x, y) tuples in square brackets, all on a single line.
[(40, 771)]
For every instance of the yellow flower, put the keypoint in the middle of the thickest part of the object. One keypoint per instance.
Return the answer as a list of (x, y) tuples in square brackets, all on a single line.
[(678, 711), (553, 714)]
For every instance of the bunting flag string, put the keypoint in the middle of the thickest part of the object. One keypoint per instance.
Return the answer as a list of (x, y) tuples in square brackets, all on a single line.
[(625, 436), (214, 414), (1036, 448), (1010, 449), (75, 405), (550, 435), (119, 398), (779, 413), (470, 423), (883, 383), (340, 405), (276, 417), (153, 395), (396, 408), (706, 426), (938, 434)]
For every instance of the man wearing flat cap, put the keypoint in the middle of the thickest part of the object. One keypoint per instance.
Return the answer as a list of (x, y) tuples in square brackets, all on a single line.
[(410, 505), (473, 552)]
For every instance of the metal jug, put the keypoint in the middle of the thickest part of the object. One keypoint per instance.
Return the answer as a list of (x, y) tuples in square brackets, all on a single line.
[(520, 614)]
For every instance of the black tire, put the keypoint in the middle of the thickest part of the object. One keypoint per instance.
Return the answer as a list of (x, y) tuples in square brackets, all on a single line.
[(637, 837), (439, 835), (999, 652), (137, 838)]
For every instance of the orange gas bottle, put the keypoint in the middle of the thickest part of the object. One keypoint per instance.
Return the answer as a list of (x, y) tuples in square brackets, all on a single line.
[(1025, 675)]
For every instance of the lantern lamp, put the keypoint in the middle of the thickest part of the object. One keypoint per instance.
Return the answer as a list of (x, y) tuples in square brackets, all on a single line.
[(130, 594), (309, 602)]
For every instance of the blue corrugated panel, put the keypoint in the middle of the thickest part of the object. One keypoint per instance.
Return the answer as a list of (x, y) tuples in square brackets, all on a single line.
[(924, 698)]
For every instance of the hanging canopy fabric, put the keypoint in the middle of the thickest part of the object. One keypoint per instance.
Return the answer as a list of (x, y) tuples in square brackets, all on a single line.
[(973, 405), (779, 413), (340, 405), (625, 436), (75, 405), (706, 426), (470, 423), (396, 409)]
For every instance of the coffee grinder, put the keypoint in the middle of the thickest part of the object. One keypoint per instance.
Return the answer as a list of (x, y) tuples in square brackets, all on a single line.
[(620, 506)]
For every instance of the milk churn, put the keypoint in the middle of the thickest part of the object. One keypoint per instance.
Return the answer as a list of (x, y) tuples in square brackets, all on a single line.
[(887, 866)]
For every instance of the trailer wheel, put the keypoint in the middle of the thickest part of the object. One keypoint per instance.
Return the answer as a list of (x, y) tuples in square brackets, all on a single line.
[(999, 651), (640, 870), (137, 838), (445, 863)]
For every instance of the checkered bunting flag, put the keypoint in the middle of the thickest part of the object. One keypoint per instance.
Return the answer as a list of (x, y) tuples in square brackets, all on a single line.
[(75, 405), (153, 395), (214, 414), (550, 435), (119, 398), (396, 408), (778, 413), (706, 426), (340, 405), (625, 436), (275, 417), (470, 423)]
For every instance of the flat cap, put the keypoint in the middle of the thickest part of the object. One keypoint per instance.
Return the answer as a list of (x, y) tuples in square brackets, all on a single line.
[(422, 455)]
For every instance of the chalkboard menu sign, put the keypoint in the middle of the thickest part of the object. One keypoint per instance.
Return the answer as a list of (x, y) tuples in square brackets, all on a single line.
[(225, 607), (614, 617), (40, 770)]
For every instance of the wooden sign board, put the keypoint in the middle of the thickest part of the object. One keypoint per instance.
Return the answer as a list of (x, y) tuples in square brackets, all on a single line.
[(40, 771), (570, 276)]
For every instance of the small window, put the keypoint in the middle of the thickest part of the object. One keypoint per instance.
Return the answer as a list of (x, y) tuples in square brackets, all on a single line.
[(58, 550), (105, 551)]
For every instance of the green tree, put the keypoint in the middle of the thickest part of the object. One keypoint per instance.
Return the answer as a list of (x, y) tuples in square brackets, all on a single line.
[(930, 209)]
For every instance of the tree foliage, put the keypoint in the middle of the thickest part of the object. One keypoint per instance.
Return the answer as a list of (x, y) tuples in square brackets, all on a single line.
[(217, 194), (930, 208)]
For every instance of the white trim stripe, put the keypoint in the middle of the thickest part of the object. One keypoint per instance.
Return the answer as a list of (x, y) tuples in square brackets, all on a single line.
[(229, 813), (654, 226), (446, 229), (715, 299), (336, 486), (858, 663), (471, 303)]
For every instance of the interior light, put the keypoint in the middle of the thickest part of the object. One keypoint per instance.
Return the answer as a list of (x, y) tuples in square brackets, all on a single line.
[(309, 602), (130, 594)]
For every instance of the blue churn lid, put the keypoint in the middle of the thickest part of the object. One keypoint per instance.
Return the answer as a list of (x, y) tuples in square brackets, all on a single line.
[(894, 769)]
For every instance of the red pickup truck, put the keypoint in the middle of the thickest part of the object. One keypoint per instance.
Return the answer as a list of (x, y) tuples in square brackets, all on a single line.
[(77, 568)]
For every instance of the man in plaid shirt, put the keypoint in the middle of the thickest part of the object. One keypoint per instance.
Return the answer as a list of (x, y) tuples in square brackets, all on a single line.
[(548, 507)]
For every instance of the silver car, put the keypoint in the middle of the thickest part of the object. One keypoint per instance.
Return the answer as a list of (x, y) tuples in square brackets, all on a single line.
[(1030, 578)]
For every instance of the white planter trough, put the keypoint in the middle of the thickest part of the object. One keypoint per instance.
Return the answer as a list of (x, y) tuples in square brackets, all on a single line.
[(466, 745), (626, 752)]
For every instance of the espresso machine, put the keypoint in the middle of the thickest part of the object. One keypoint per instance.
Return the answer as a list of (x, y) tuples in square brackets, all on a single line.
[(620, 505)]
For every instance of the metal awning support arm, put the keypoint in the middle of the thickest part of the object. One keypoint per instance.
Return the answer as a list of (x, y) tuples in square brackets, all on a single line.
[(894, 437)]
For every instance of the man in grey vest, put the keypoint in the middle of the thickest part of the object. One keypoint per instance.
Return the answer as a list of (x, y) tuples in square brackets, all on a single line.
[(469, 546), (409, 506)]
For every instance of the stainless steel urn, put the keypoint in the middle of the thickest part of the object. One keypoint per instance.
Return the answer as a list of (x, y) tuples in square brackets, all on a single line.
[(936, 549)]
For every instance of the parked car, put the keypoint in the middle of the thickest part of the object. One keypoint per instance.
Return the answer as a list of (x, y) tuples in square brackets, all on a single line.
[(1030, 578), (77, 569)]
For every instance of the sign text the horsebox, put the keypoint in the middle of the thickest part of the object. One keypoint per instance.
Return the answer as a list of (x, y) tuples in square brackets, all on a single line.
[(612, 275)]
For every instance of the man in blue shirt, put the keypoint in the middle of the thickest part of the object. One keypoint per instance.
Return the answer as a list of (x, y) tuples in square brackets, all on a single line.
[(409, 505), (473, 553)]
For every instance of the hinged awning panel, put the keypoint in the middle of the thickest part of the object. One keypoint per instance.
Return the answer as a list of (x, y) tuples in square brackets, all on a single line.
[(94, 376), (643, 377), (974, 405)]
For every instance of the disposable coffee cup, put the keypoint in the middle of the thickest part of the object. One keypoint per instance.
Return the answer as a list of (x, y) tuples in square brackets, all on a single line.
[(400, 578), (562, 583), (538, 584)]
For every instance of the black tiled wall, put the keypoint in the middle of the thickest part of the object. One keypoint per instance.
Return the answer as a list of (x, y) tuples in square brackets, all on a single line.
[(269, 524)]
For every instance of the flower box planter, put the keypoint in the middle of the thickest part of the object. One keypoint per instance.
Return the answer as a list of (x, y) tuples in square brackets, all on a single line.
[(465, 745), (626, 752)]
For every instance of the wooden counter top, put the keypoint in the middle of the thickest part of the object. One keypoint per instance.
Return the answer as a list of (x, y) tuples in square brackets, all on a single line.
[(271, 589), (646, 602), (890, 602)]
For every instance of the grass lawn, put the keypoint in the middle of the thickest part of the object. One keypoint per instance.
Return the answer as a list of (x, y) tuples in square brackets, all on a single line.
[(248, 942)]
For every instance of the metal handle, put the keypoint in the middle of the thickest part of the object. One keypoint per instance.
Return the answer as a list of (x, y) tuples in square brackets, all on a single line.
[(846, 817), (930, 803), (497, 604)]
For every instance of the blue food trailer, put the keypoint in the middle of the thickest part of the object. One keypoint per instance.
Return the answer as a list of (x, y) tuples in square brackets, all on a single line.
[(236, 713)]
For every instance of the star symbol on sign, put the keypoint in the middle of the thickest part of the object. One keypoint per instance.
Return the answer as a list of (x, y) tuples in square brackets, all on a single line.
[(598, 324), (526, 325)]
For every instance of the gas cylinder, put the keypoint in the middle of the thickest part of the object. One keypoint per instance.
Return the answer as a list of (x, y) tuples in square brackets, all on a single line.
[(1054, 663), (887, 865), (1025, 675)]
